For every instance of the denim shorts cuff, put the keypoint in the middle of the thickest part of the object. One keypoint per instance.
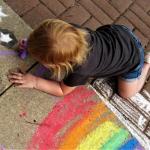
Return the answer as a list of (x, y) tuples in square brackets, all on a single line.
[(129, 80)]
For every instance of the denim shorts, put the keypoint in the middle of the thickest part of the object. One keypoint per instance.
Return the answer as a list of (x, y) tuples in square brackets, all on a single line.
[(135, 73)]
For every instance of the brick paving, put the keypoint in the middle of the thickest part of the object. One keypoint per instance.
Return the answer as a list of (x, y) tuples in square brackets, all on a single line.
[(89, 13), (93, 13)]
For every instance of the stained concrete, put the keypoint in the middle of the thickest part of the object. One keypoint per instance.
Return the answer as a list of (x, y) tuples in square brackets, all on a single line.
[(20, 111), (19, 28)]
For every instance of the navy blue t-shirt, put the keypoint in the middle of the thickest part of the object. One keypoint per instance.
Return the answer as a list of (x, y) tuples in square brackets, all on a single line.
[(113, 53)]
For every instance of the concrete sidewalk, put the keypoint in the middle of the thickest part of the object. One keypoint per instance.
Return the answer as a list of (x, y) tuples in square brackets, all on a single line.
[(23, 110)]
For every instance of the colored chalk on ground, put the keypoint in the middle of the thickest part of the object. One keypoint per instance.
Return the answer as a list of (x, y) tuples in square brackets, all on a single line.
[(83, 127), (116, 140), (98, 137), (139, 147), (8, 52), (22, 114), (96, 129), (2, 147), (129, 145), (74, 106)]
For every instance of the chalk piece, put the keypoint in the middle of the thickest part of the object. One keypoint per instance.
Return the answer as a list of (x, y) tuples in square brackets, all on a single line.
[(23, 54)]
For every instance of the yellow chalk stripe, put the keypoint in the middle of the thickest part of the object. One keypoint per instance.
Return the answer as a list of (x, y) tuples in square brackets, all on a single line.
[(80, 130), (97, 138)]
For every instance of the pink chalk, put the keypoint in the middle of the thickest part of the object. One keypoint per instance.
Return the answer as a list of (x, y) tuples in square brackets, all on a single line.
[(22, 114), (72, 106)]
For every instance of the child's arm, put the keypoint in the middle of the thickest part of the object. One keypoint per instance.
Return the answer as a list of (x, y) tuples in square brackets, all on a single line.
[(48, 86), (53, 87)]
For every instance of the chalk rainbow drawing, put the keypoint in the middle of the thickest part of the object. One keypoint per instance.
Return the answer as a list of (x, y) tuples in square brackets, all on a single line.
[(81, 121)]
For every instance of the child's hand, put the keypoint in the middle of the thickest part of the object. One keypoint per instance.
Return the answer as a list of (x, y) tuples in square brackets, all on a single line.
[(23, 80)]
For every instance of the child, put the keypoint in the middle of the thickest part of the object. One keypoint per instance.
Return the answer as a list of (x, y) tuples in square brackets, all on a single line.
[(80, 53)]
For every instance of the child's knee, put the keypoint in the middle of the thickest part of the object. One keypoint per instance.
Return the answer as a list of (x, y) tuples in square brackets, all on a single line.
[(126, 95), (127, 89)]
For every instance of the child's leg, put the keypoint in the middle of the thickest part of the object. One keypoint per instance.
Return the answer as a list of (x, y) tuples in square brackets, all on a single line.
[(127, 89), (130, 83)]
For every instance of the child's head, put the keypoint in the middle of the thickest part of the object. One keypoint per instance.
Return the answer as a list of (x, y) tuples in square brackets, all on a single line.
[(58, 45)]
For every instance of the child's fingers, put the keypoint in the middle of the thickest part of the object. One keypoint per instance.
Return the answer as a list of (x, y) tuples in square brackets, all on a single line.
[(15, 77), (16, 81), (17, 74)]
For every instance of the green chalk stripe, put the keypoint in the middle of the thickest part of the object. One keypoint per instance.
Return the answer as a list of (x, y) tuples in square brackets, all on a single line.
[(116, 140)]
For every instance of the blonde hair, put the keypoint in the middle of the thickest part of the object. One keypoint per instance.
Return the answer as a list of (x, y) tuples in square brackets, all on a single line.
[(59, 45)]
